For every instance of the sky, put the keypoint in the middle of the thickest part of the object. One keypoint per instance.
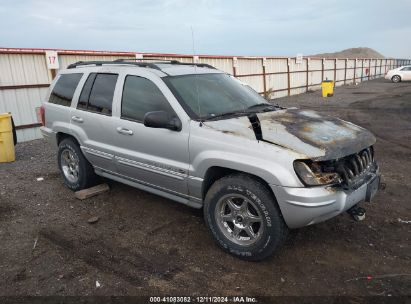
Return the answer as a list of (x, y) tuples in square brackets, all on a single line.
[(219, 27)]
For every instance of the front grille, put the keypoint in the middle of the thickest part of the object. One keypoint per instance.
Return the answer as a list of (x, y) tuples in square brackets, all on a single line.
[(354, 169)]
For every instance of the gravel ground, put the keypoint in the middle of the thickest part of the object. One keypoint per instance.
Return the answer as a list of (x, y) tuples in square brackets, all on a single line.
[(147, 245)]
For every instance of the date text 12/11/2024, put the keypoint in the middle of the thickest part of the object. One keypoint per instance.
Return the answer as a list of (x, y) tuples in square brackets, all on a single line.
[(206, 299)]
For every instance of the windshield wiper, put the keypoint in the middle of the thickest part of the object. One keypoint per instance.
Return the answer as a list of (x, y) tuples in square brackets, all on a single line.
[(265, 106), (223, 115)]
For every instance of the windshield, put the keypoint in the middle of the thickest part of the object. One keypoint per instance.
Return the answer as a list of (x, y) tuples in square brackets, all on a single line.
[(213, 95)]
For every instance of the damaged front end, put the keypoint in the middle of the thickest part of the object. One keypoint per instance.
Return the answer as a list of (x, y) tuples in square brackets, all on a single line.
[(331, 151), (349, 172), (333, 162)]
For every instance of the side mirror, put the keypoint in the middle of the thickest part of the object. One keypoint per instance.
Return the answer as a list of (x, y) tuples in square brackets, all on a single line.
[(161, 119)]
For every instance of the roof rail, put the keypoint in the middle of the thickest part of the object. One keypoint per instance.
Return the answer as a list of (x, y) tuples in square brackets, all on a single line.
[(139, 63), (201, 65), (165, 61), (147, 59), (100, 63)]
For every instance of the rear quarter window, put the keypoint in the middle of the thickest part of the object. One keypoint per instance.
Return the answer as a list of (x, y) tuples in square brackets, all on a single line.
[(64, 89)]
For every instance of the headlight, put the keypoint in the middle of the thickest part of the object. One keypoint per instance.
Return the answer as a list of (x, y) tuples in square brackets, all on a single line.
[(314, 174)]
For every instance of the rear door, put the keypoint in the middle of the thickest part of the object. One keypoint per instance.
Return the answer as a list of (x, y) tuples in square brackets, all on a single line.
[(154, 157), (92, 122)]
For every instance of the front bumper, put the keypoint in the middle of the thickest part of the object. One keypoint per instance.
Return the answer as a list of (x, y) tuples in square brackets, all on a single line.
[(306, 206)]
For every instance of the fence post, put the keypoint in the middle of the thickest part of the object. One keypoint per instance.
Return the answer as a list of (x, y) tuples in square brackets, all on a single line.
[(53, 73), (288, 77), (306, 78), (345, 71), (354, 80), (375, 69), (263, 62), (362, 69), (235, 62), (335, 71), (369, 69), (322, 69), (380, 67)]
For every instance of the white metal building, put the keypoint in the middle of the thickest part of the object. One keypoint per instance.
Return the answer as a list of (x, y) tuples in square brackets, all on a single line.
[(25, 75)]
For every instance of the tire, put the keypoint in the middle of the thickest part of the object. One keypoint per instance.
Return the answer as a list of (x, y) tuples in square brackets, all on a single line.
[(252, 201), (71, 159), (396, 78)]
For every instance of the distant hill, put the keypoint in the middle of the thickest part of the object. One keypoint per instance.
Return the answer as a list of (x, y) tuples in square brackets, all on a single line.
[(360, 52)]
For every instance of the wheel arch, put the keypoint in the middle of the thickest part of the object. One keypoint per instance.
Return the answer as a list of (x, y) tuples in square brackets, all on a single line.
[(215, 173), (60, 136)]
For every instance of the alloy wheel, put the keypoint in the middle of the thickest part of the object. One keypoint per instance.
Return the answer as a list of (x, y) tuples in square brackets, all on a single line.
[(239, 219), (70, 165)]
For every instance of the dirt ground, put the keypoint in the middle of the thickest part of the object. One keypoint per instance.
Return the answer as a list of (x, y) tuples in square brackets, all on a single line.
[(147, 245)]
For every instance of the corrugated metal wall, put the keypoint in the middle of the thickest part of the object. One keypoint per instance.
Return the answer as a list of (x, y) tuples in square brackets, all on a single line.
[(24, 77), (29, 72)]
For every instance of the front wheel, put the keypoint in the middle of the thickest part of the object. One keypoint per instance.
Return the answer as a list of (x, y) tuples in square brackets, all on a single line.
[(244, 218), (396, 79)]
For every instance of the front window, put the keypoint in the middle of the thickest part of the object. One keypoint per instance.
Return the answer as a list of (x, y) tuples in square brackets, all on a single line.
[(206, 96), (141, 96)]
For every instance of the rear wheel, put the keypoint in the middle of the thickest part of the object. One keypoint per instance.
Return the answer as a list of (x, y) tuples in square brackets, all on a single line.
[(244, 217), (396, 79), (77, 172)]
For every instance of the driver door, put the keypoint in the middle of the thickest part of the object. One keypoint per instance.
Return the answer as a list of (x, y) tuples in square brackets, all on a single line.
[(151, 156)]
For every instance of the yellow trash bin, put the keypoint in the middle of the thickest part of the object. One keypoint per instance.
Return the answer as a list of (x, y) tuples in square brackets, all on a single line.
[(6, 139), (327, 88)]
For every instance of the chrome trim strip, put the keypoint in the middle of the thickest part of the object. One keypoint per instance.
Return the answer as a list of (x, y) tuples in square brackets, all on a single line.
[(312, 205), (150, 168), (97, 153), (197, 179)]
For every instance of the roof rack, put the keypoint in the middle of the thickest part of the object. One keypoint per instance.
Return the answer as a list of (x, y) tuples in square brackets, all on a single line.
[(139, 63), (166, 61), (147, 59), (100, 63)]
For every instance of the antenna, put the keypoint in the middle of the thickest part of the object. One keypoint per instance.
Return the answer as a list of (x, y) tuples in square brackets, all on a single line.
[(192, 40), (195, 71)]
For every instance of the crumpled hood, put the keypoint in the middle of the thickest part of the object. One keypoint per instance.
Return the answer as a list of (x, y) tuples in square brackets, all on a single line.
[(318, 137)]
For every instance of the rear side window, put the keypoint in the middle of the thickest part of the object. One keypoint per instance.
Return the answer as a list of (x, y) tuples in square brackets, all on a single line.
[(97, 94), (140, 96), (64, 89)]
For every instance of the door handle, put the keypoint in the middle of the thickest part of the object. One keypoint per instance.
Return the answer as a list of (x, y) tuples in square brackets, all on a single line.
[(77, 119), (124, 131)]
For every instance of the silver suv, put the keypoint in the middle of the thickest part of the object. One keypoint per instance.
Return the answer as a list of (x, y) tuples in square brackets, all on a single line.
[(199, 136)]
